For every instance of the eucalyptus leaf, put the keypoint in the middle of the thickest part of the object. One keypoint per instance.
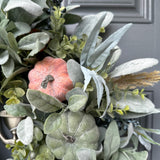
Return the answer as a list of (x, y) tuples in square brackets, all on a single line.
[(112, 140), (28, 42), (43, 102), (77, 102), (25, 131), (18, 110), (74, 71), (136, 103), (86, 154), (133, 66), (8, 68), (49, 126), (27, 5), (21, 28), (4, 56)]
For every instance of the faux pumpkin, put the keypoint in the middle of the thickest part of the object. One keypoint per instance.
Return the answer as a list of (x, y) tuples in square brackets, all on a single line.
[(51, 77), (77, 130)]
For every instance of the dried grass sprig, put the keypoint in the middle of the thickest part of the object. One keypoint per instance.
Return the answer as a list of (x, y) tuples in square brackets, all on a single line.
[(132, 81)]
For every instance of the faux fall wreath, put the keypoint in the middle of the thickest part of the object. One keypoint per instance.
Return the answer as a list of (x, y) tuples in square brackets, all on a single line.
[(74, 103)]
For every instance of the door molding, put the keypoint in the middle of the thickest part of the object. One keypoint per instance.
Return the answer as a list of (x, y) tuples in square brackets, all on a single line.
[(135, 11)]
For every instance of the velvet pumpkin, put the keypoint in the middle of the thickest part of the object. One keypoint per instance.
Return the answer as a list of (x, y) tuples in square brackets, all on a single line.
[(51, 77)]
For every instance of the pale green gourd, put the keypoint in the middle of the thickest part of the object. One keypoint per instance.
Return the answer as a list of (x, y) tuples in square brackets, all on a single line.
[(77, 130)]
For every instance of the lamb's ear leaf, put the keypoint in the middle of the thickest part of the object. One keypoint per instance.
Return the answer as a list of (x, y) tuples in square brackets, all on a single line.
[(142, 105), (133, 66), (25, 131), (103, 50), (89, 48), (4, 56), (43, 102), (71, 7), (8, 68), (112, 140), (28, 42), (28, 5)]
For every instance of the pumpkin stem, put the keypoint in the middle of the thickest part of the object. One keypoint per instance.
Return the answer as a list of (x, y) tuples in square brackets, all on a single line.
[(48, 78), (69, 139)]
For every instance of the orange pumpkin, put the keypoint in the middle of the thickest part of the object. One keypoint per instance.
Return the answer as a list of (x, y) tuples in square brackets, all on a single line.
[(51, 77)]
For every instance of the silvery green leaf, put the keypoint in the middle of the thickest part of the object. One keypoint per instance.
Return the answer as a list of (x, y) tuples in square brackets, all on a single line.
[(77, 102), (52, 123), (8, 67), (74, 71), (90, 45), (4, 56), (4, 35), (112, 140), (86, 154), (28, 42), (103, 50), (132, 155), (133, 66), (75, 91), (18, 110), (4, 23), (136, 103), (27, 5), (25, 131), (41, 3), (38, 46), (108, 19), (43, 102), (21, 28), (140, 132), (100, 85), (102, 132), (71, 7), (14, 55), (12, 42), (125, 140), (115, 55), (150, 130), (146, 144), (131, 115)]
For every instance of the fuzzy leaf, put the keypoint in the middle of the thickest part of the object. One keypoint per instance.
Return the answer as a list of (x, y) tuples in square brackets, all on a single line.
[(27, 5), (4, 56), (71, 18), (107, 19), (77, 102), (133, 66), (52, 123), (18, 110), (86, 154), (89, 48), (74, 71), (25, 131), (112, 140), (21, 28), (136, 104), (28, 42), (103, 50), (43, 102), (71, 7), (8, 68), (12, 42), (132, 155)]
